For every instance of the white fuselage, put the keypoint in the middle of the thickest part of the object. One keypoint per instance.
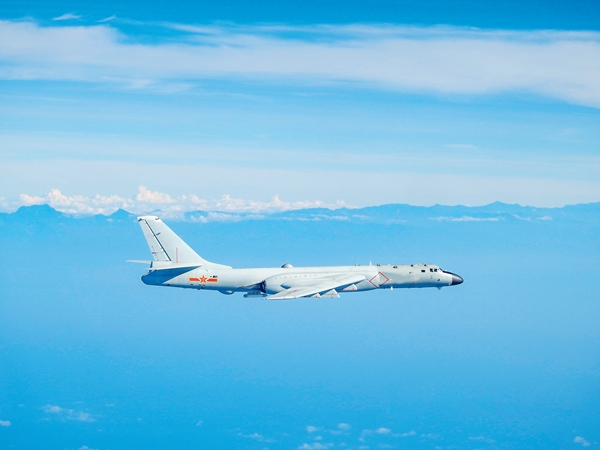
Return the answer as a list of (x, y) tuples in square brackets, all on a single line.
[(273, 280)]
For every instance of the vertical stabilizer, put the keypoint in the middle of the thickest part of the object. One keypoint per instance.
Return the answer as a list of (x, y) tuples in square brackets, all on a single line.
[(165, 245)]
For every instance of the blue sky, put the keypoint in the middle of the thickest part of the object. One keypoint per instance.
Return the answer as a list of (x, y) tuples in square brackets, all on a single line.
[(262, 107), (327, 103), (556, 14)]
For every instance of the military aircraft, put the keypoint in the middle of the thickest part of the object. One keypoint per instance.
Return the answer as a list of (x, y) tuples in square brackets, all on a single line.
[(176, 264)]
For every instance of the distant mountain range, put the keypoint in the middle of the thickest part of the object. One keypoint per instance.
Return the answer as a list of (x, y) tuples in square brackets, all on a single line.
[(384, 214)]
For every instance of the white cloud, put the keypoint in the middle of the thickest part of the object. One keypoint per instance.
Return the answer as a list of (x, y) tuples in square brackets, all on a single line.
[(582, 441), (481, 439), (260, 437), (5, 423), (146, 196), (107, 19), (81, 417), (430, 436), (28, 200), (224, 209), (386, 432), (467, 219), (561, 64), (311, 429), (342, 428), (315, 446), (67, 16), (256, 436), (78, 204), (216, 217), (410, 433), (380, 430), (362, 187), (53, 409), (69, 414)]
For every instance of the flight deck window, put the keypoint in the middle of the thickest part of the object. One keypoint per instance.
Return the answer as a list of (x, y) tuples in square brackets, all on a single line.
[(423, 270)]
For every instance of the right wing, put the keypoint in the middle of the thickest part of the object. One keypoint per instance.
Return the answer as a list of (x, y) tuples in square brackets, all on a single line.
[(318, 286)]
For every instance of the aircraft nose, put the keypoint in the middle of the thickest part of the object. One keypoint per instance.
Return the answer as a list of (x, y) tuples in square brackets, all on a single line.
[(456, 280)]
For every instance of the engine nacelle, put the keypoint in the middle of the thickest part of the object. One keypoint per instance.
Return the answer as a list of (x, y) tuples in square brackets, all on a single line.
[(273, 285), (278, 283)]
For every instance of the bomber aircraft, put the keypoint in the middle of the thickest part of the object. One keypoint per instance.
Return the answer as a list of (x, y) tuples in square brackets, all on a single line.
[(176, 264)]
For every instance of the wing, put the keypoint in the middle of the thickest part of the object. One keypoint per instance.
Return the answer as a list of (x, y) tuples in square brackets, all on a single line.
[(314, 287)]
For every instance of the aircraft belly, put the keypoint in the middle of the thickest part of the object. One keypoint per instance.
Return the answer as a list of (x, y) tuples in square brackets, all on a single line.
[(365, 285)]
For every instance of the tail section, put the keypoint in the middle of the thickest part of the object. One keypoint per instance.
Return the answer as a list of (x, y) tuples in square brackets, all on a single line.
[(166, 246)]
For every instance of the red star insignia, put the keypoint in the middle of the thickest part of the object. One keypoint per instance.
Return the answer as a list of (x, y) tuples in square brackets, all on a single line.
[(202, 279)]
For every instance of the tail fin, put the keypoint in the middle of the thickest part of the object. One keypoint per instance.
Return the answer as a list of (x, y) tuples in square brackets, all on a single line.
[(166, 246)]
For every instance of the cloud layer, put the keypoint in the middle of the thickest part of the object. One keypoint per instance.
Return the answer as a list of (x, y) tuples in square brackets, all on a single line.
[(68, 414), (170, 207), (558, 64)]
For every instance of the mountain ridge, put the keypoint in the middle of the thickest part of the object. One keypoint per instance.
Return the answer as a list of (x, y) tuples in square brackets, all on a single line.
[(387, 213)]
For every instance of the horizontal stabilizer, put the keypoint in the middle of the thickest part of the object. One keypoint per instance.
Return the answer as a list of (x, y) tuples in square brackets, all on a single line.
[(162, 276)]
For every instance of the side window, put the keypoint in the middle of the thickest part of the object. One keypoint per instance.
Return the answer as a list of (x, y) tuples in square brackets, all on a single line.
[(423, 270)]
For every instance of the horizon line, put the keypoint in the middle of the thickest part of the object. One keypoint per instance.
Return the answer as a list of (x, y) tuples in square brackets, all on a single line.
[(263, 214)]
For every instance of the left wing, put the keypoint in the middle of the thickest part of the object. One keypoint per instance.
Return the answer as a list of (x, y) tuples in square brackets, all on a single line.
[(314, 287)]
